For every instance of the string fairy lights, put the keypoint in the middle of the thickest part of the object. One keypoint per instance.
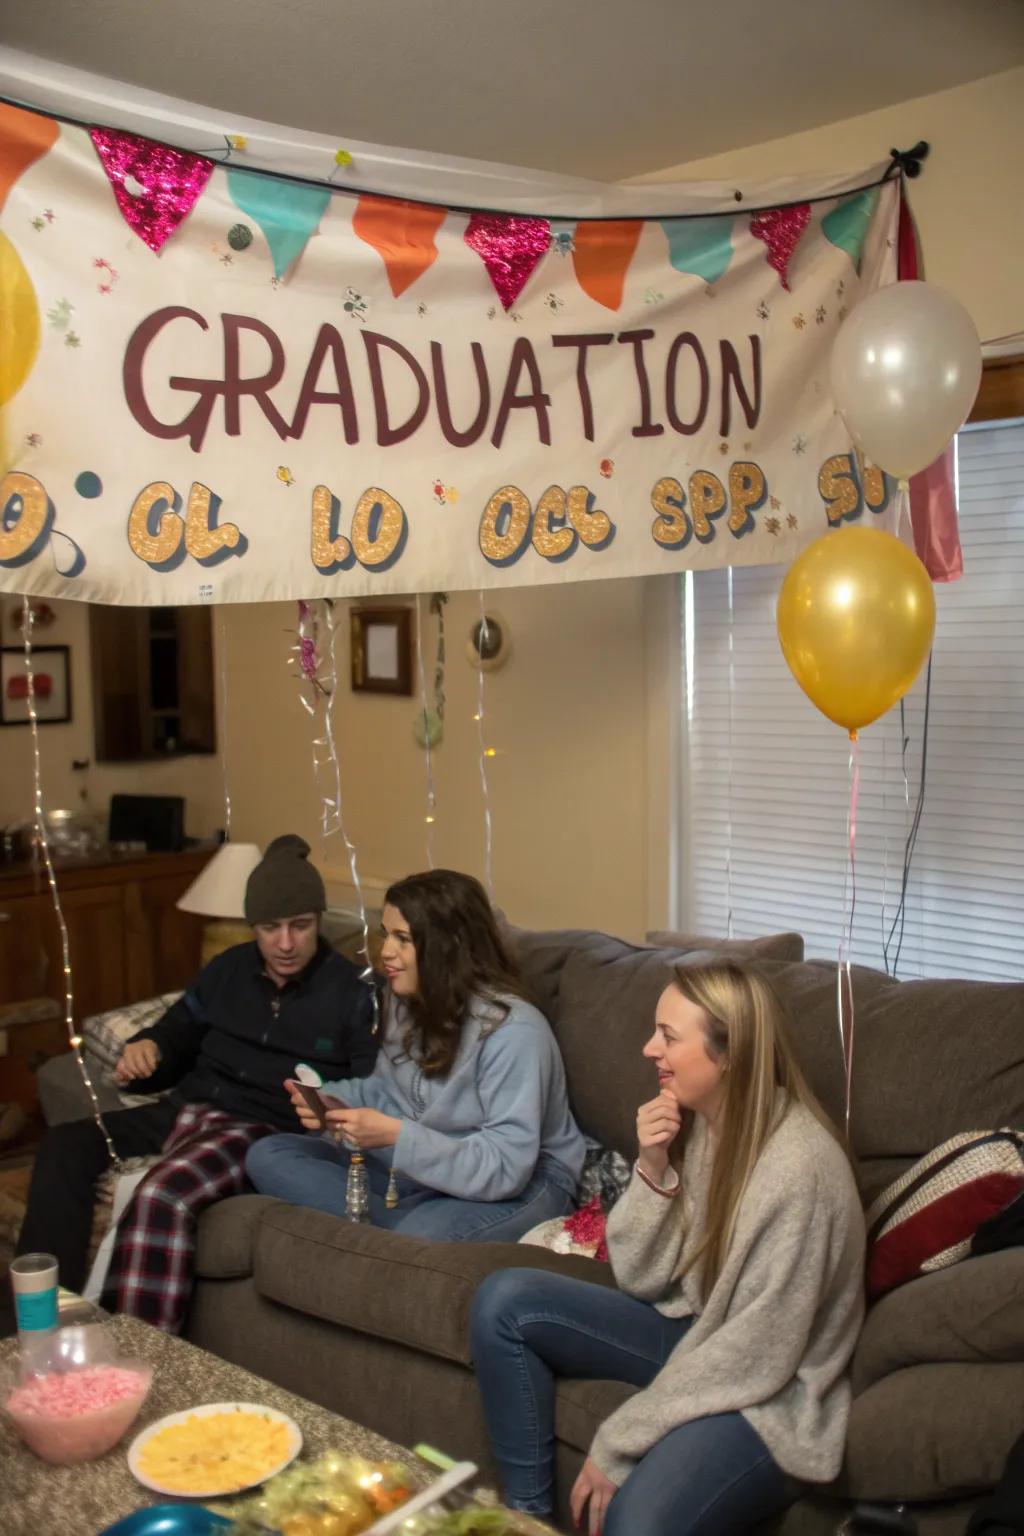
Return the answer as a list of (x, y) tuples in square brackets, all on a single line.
[(43, 839)]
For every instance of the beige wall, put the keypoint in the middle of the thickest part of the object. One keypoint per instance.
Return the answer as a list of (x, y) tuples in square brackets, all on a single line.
[(566, 716), (968, 200), (197, 778)]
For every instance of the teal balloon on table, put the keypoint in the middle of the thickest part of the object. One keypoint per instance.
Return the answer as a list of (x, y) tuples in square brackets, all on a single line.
[(288, 212), (701, 246), (848, 223), (170, 1520)]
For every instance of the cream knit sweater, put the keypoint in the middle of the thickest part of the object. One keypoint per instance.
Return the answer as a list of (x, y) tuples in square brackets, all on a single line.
[(778, 1329)]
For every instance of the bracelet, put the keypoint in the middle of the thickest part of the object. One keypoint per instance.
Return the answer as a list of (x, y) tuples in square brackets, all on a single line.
[(666, 1194)]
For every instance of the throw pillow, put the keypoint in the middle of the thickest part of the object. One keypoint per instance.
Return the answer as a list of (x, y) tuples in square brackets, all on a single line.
[(581, 1233), (774, 946), (927, 1219), (107, 1034)]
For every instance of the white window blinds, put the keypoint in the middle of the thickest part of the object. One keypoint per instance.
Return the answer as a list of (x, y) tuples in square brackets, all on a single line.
[(766, 787)]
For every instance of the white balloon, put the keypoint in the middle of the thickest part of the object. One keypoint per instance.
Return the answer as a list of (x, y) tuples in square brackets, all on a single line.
[(905, 372)]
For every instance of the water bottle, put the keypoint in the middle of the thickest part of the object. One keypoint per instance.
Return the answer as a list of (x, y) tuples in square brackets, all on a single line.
[(357, 1190)]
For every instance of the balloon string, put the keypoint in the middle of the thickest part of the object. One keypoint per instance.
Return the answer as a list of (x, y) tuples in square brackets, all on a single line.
[(428, 762), (222, 636), (729, 785), (328, 699), (844, 977), (42, 835), (485, 750)]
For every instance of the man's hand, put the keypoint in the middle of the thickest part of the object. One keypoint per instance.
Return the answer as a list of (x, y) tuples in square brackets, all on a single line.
[(657, 1126), (363, 1128), (140, 1058), (592, 1486)]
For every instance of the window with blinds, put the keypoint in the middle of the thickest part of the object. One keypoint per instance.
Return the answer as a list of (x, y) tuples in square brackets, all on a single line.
[(766, 785)]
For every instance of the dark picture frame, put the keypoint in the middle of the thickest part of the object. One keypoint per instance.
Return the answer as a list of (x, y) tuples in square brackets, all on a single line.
[(382, 647), (51, 668)]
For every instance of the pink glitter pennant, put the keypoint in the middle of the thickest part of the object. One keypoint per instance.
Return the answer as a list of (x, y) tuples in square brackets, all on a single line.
[(169, 182), (781, 229), (509, 248)]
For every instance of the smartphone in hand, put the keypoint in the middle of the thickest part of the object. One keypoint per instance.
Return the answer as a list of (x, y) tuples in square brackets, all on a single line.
[(314, 1102)]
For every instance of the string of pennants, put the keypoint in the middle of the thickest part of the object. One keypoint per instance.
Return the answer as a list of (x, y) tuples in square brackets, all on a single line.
[(156, 186)]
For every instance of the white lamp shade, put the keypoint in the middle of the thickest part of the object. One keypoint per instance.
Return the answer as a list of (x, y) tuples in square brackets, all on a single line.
[(219, 890)]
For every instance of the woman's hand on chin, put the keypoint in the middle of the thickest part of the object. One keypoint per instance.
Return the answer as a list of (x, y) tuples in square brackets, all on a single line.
[(657, 1126), (363, 1128)]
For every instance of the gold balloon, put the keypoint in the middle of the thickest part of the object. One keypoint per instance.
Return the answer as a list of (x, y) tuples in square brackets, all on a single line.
[(19, 322), (856, 617)]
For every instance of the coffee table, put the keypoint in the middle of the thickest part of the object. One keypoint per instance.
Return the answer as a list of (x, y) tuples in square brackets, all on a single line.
[(39, 1500)]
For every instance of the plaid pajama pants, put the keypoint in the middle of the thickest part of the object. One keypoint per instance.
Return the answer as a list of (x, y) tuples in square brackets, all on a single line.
[(203, 1160)]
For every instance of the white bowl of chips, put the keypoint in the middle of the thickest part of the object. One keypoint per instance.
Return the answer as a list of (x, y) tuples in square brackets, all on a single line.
[(214, 1450)]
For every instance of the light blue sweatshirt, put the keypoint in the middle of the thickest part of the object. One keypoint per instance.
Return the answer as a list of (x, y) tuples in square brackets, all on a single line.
[(500, 1115)]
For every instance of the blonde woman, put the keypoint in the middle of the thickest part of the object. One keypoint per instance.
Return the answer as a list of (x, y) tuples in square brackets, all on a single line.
[(738, 1249)]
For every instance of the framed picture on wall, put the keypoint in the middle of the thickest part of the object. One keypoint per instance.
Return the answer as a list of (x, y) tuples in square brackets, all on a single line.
[(51, 670), (382, 641)]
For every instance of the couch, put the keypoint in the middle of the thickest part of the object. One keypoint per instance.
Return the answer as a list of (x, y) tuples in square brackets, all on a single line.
[(374, 1325)]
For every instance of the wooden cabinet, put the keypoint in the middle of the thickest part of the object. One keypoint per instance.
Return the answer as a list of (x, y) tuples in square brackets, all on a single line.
[(152, 682), (126, 937)]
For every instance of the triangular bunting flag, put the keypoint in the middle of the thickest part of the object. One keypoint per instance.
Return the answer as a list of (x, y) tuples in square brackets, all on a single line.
[(781, 229), (24, 136), (603, 251), (155, 186), (847, 225), (701, 246), (402, 234), (288, 212), (509, 247)]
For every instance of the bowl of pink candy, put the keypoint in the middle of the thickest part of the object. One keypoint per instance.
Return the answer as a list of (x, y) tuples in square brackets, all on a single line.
[(70, 1397)]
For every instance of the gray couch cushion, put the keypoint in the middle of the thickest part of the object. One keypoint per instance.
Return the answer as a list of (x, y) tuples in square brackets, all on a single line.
[(932, 1432), (402, 1289), (227, 1236), (973, 1311), (773, 946)]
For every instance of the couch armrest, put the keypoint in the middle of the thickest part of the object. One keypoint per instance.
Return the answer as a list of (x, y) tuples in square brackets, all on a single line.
[(972, 1313), (403, 1289), (227, 1236)]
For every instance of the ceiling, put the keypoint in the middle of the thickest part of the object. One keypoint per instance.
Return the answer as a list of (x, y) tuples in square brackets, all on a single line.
[(598, 88)]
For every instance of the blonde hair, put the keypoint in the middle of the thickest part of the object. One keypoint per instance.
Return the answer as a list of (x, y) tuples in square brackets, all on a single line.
[(745, 1029)]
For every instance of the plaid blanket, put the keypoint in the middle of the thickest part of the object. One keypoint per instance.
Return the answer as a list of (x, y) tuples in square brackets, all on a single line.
[(203, 1160)]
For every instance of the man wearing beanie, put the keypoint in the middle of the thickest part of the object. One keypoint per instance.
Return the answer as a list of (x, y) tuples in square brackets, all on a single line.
[(224, 1050)]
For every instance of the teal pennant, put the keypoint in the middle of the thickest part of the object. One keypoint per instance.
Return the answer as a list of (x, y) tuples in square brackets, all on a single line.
[(702, 246), (288, 212), (848, 223)]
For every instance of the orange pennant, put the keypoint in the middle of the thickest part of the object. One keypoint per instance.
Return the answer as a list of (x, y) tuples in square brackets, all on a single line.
[(604, 250), (401, 233), (24, 136)]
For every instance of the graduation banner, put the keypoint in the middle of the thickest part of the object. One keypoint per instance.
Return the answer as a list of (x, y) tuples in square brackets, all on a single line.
[(221, 384)]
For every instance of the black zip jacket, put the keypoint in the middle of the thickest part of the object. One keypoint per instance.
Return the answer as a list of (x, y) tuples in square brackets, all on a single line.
[(235, 1036)]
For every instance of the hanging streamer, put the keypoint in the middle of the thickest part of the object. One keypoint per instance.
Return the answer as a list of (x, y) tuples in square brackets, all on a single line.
[(428, 761), (222, 637), (732, 696), (320, 676), (44, 842), (844, 977), (485, 750)]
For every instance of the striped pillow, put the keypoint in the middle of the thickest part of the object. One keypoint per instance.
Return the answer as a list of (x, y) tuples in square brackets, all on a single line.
[(926, 1220)]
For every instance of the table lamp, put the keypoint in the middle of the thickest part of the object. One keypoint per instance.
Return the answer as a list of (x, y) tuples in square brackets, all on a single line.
[(218, 893)]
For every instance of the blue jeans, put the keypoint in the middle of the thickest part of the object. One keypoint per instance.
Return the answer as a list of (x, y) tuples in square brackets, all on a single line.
[(711, 1477), (310, 1170)]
